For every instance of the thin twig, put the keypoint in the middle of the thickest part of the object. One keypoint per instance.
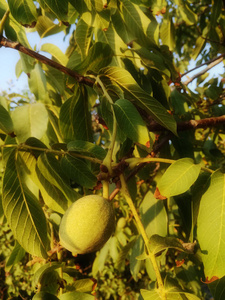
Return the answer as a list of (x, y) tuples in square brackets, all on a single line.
[(191, 124), (17, 46), (203, 64), (210, 66)]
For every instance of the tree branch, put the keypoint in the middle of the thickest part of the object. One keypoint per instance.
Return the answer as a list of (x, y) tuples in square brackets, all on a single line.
[(205, 63), (213, 63), (17, 46), (192, 124)]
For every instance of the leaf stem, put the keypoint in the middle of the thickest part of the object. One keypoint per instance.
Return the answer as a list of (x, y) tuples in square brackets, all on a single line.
[(151, 256), (135, 161), (24, 147), (108, 159)]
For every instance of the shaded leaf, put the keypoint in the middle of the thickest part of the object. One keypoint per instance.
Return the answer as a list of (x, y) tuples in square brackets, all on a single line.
[(24, 11), (6, 124), (23, 211), (44, 296), (55, 189), (217, 288), (16, 256), (86, 148), (59, 8), (179, 177), (83, 35), (78, 170), (99, 56), (75, 118)]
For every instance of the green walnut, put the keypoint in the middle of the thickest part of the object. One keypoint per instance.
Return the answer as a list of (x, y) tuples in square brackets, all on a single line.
[(87, 224)]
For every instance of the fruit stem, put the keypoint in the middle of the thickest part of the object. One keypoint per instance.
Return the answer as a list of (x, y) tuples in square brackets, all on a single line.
[(151, 255), (105, 187)]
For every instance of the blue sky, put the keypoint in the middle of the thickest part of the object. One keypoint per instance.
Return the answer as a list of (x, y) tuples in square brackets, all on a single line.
[(9, 58)]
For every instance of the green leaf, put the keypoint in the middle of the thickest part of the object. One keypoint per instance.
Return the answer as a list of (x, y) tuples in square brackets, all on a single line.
[(75, 118), (83, 37), (83, 285), (179, 177), (135, 264), (77, 296), (86, 148), (59, 8), (187, 14), (45, 269), (150, 295), (217, 288), (78, 170), (16, 256), (153, 215), (54, 186), (211, 227), (178, 295), (158, 243), (44, 296), (99, 56), (133, 92), (137, 23), (55, 52), (216, 11), (24, 11), (130, 121), (30, 120), (167, 33), (37, 83), (6, 124), (23, 211), (46, 27)]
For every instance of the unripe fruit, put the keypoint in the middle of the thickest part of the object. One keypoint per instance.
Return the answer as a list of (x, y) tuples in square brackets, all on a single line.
[(87, 224)]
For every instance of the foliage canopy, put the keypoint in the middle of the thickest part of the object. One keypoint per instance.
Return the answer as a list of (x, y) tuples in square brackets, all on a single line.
[(114, 116)]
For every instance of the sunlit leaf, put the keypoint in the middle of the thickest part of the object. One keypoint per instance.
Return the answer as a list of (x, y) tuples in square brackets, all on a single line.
[(23, 211), (133, 92), (179, 177), (76, 295), (55, 52), (46, 27), (210, 226), (30, 120), (37, 83), (167, 33), (130, 121), (153, 215)]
